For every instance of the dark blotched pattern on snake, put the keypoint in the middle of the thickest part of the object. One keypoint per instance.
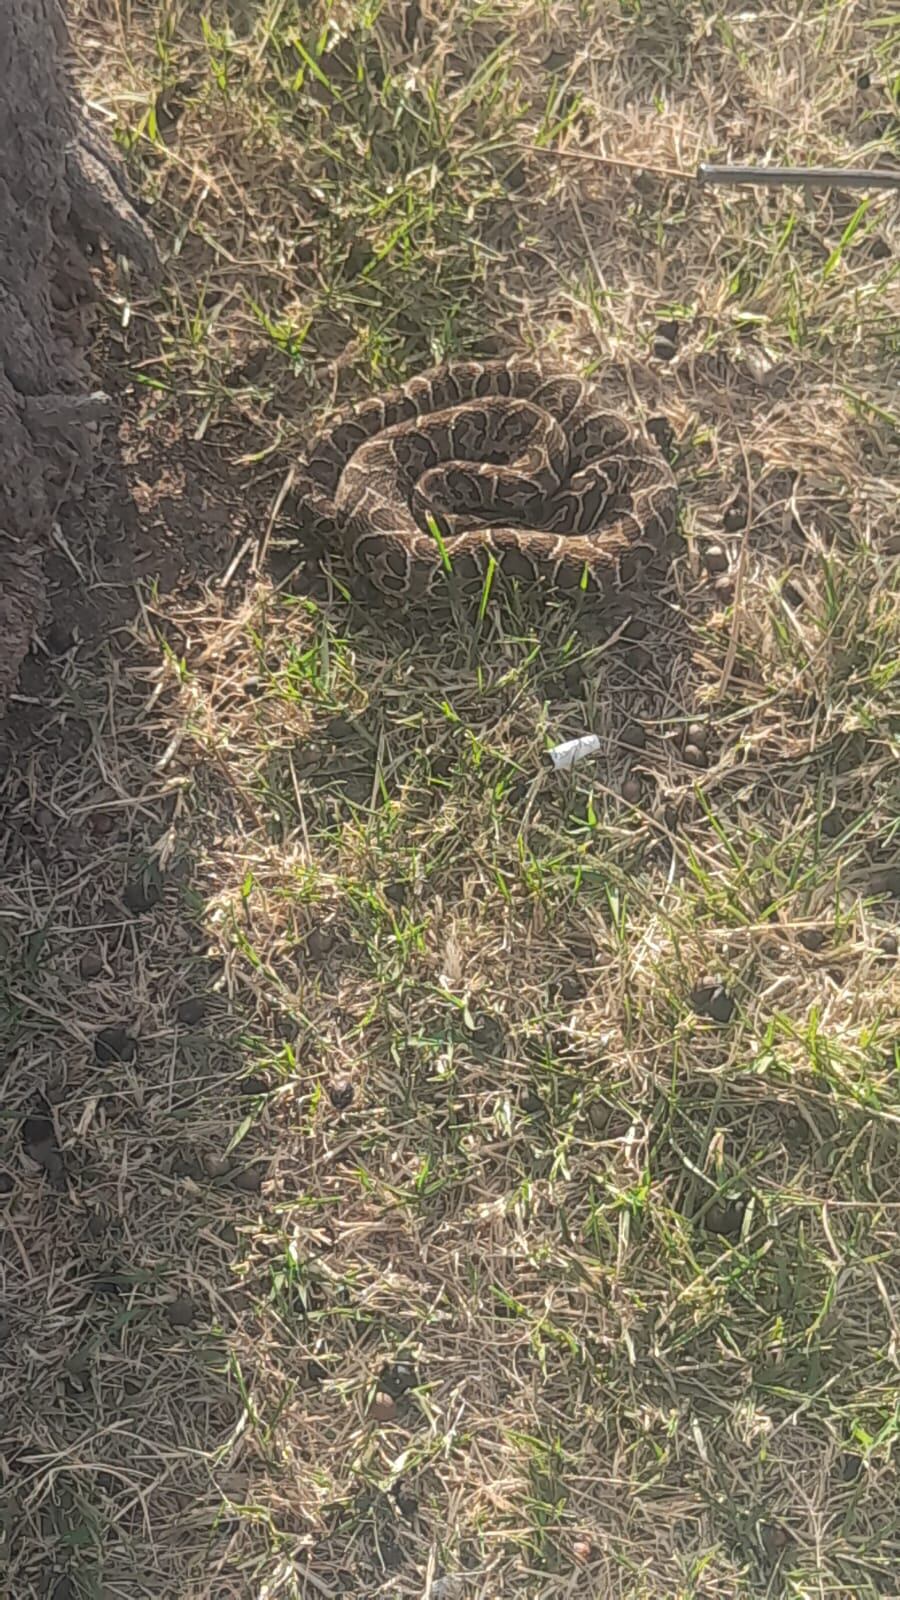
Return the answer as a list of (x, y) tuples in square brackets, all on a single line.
[(488, 459)]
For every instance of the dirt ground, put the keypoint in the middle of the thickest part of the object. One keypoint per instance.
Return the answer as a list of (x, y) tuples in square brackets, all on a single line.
[(422, 1175)]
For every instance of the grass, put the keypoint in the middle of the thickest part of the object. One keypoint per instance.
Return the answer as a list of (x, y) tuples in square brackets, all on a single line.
[(501, 1195)]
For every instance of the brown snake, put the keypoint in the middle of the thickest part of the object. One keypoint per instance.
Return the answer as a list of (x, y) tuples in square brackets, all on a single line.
[(505, 461)]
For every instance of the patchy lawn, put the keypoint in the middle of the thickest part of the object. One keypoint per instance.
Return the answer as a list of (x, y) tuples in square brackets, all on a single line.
[(423, 1173)]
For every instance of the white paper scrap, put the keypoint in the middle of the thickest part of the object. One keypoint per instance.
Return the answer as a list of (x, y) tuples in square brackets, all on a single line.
[(573, 751)]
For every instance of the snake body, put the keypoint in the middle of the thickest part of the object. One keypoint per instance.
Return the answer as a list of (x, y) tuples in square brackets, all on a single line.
[(480, 460)]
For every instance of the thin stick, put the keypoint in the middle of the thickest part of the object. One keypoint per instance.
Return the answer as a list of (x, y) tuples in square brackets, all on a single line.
[(280, 498), (740, 576), (803, 177), (605, 161)]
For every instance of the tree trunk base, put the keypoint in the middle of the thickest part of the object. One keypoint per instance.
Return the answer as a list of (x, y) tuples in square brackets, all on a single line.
[(60, 187)]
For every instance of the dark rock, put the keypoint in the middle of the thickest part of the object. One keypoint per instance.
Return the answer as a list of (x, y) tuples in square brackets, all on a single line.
[(725, 1217), (191, 1011), (139, 896), (710, 999), (114, 1044), (715, 559), (180, 1313), (252, 1086), (249, 1179)]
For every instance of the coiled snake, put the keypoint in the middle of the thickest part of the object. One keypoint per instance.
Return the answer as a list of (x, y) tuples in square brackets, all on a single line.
[(488, 459)]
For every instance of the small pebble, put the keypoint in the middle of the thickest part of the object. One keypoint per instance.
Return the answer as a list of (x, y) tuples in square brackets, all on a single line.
[(721, 1007), (634, 736), (665, 349), (710, 999), (249, 1180), (383, 1407), (631, 791), (735, 517), (887, 944), (340, 1093), (252, 1086), (714, 559), (139, 896), (37, 1131), (811, 938), (694, 756), (582, 1550), (114, 1044), (180, 1313), (698, 734), (90, 965), (191, 1011), (723, 588), (59, 638), (725, 1217)]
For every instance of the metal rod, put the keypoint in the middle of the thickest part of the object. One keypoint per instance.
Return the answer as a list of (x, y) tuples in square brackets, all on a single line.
[(805, 177)]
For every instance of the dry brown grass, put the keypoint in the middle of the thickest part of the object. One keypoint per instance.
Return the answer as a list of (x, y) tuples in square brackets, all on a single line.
[(583, 1292)]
